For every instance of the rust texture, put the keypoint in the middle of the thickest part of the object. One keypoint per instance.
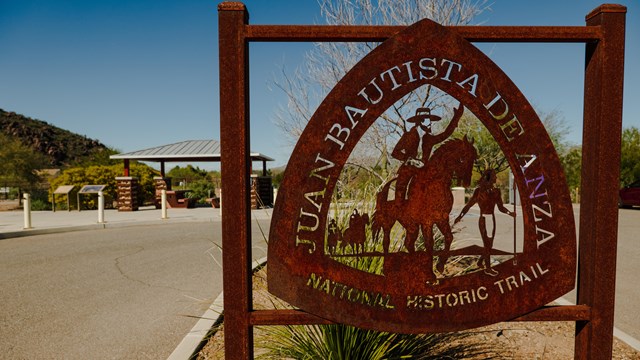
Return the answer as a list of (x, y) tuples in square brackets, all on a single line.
[(299, 317), (235, 169), (416, 288), (604, 37), (568, 34), (600, 181)]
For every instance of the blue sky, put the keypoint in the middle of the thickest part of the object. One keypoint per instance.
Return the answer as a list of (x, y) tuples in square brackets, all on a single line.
[(136, 74)]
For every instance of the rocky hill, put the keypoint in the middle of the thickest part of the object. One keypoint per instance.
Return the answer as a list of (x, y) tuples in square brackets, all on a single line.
[(61, 147)]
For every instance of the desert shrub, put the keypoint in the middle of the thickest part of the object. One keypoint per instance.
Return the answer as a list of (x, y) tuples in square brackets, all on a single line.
[(201, 190), (39, 205), (342, 342)]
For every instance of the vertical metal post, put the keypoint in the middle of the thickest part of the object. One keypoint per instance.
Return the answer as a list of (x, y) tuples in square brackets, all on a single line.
[(600, 182), (235, 169), (26, 204), (163, 205), (100, 207)]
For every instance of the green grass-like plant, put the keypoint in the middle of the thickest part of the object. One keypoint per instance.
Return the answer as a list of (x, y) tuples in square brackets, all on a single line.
[(343, 342)]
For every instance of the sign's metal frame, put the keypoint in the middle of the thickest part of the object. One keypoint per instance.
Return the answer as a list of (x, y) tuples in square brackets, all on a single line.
[(602, 126)]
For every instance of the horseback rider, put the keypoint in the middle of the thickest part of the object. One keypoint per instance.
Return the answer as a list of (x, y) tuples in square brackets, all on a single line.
[(415, 146)]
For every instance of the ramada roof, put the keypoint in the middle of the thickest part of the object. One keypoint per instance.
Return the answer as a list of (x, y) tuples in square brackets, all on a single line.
[(190, 150)]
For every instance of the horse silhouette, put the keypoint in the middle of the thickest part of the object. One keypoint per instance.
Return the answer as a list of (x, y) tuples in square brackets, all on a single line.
[(429, 199), (355, 235)]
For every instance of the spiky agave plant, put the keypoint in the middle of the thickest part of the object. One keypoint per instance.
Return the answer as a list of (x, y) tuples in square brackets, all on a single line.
[(343, 342)]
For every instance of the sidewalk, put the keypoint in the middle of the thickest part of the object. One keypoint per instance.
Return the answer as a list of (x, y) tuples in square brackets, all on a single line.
[(47, 222)]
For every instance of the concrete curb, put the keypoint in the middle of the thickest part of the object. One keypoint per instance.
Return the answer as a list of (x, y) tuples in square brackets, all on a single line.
[(34, 231), (96, 226), (212, 317), (64, 229)]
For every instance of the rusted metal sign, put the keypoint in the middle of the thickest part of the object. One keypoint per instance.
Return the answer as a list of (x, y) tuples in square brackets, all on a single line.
[(316, 260)]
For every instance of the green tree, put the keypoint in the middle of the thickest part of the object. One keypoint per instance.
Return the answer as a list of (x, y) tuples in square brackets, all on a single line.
[(630, 156), (19, 164), (277, 177), (572, 164), (629, 161), (98, 157), (557, 129), (187, 174), (202, 183), (489, 153), (214, 176), (201, 190), (105, 175)]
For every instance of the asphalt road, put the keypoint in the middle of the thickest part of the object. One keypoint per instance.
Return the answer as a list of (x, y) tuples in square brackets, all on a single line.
[(122, 293)]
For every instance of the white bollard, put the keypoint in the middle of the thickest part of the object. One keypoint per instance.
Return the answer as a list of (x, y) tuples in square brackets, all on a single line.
[(220, 202), (27, 211), (163, 200), (100, 207)]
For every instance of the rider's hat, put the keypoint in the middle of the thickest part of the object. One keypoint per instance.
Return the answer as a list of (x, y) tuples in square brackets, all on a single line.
[(423, 114)]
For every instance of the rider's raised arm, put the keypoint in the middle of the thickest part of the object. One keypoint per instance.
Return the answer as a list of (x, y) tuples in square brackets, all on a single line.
[(457, 114)]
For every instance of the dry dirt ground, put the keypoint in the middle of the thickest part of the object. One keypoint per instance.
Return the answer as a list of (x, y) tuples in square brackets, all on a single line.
[(8, 205), (516, 340)]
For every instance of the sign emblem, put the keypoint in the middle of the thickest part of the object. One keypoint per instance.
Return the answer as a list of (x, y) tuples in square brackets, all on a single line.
[(393, 262)]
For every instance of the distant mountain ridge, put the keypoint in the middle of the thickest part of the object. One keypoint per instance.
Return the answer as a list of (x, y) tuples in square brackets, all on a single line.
[(61, 147)]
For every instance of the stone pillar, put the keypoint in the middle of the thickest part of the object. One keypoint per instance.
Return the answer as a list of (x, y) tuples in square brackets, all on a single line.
[(127, 193), (161, 183), (254, 192)]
